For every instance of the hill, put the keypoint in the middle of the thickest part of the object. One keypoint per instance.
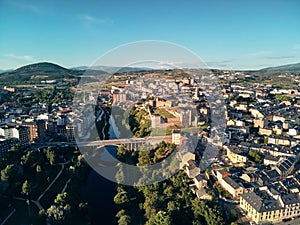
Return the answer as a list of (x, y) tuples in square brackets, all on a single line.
[(112, 69), (288, 68), (35, 73)]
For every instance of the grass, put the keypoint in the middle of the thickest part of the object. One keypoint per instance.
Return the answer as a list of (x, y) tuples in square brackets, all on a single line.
[(21, 216), (164, 113), (39, 187), (190, 129), (160, 132), (48, 199), (5, 208)]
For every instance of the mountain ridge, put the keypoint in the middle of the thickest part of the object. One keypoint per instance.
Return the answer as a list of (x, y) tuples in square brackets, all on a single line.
[(50, 71)]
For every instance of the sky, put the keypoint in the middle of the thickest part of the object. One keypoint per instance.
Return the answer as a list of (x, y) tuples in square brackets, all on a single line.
[(230, 34)]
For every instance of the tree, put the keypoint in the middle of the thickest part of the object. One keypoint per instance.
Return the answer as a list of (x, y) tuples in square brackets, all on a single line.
[(121, 153), (121, 198), (26, 188), (30, 158), (144, 156), (161, 218), (256, 156), (61, 199), (124, 220), (9, 173), (83, 210), (50, 156), (38, 169), (58, 214), (121, 213), (233, 215)]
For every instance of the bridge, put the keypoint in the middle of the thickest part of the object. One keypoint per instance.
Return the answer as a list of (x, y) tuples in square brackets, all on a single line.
[(130, 143)]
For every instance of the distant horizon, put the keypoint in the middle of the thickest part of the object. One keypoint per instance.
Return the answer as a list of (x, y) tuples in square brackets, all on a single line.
[(232, 35), (108, 66)]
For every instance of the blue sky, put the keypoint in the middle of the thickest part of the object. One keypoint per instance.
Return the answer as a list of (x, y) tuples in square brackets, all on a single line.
[(225, 34)]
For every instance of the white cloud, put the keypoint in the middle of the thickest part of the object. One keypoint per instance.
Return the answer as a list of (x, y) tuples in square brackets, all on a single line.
[(296, 46), (259, 53), (91, 19), (25, 6), (20, 57)]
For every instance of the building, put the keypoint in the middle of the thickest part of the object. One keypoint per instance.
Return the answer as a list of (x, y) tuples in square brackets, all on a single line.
[(176, 137), (185, 157), (291, 205), (286, 166), (119, 98), (6, 144), (266, 207), (200, 181), (37, 129), (271, 160), (157, 121), (192, 170), (71, 131), (235, 155), (234, 189), (21, 133), (261, 210)]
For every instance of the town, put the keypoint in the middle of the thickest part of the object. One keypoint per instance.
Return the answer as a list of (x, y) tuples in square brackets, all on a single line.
[(246, 155)]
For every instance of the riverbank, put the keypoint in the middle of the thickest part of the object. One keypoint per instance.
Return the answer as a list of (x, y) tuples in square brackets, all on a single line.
[(99, 192)]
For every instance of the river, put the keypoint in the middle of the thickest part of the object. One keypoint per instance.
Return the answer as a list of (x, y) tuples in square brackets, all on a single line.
[(99, 193)]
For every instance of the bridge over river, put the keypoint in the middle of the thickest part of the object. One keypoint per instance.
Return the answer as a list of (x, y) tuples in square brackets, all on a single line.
[(130, 143)]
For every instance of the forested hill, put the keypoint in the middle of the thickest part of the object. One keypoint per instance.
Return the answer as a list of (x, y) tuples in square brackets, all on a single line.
[(40, 71)]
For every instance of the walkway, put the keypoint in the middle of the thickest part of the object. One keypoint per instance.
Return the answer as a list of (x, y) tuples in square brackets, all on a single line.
[(57, 176), (7, 218)]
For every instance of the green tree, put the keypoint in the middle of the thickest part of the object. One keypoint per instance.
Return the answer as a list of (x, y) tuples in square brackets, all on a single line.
[(121, 198), (9, 173), (124, 220), (50, 154), (144, 157), (26, 188), (121, 153), (256, 156), (61, 199), (38, 169), (58, 214), (161, 218)]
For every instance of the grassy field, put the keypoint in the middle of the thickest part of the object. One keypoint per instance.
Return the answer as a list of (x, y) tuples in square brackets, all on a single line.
[(164, 113), (160, 132)]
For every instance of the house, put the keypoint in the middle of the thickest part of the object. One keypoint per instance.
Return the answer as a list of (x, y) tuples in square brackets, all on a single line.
[(192, 169), (220, 174), (279, 140), (234, 189), (249, 177), (290, 202), (256, 113), (265, 131), (202, 194), (271, 160), (260, 123), (290, 184), (185, 157), (200, 181), (285, 167), (176, 137), (235, 155)]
